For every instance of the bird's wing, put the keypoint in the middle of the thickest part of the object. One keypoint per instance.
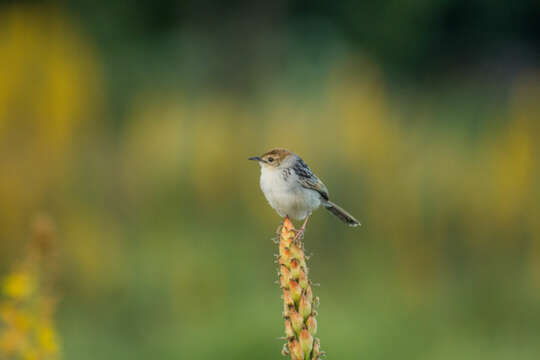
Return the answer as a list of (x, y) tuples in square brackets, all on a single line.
[(308, 180)]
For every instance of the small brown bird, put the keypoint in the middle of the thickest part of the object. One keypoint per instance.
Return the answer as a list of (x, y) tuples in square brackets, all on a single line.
[(292, 189)]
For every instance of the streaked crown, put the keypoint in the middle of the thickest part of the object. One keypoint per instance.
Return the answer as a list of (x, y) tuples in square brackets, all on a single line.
[(275, 156)]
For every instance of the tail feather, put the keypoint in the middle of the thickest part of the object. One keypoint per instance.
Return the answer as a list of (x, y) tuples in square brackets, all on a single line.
[(341, 214)]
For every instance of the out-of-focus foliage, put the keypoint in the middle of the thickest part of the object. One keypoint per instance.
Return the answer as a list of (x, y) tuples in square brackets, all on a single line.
[(48, 90), (132, 130)]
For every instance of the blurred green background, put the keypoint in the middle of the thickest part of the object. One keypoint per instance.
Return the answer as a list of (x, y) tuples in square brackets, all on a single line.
[(130, 123)]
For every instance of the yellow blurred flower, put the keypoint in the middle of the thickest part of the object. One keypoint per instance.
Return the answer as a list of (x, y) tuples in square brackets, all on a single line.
[(26, 322), (30, 354), (18, 285), (47, 339)]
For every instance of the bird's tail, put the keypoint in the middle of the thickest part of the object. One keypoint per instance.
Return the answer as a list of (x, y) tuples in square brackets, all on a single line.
[(341, 214)]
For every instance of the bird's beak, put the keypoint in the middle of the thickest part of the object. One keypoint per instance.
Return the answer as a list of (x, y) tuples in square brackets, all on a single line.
[(258, 158)]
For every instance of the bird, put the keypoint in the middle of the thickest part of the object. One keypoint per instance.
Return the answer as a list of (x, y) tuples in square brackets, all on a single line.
[(293, 190)]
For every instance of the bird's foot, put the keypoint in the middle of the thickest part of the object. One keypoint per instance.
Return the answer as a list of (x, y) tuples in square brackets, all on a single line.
[(299, 234)]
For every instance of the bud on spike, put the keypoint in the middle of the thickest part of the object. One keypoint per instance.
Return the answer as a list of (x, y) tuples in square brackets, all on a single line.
[(287, 226), (287, 298), (296, 251), (284, 271), (285, 257), (304, 306), (296, 350), (297, 321), (284, 350), (288, 328), (284, 244), (311, 324), (296, 291), (309, 294), (306, 342), (302, 279), (295, 269), (317, 349)]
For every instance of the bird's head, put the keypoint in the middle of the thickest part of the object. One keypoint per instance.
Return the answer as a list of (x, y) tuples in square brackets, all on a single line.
[(273, 158)]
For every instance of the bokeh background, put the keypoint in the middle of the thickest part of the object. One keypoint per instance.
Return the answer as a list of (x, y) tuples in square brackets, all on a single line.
[(126, 127)]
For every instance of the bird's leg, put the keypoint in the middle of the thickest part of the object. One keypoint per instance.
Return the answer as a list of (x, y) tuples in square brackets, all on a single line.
[(300, 232)]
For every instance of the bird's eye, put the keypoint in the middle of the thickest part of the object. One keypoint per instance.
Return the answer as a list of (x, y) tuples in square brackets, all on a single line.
[(270, 159)]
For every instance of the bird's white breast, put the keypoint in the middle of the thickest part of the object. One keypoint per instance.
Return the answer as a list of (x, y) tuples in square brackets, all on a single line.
[(285, 194)]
